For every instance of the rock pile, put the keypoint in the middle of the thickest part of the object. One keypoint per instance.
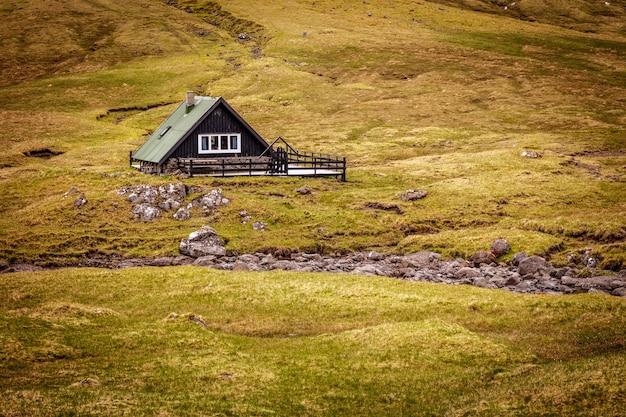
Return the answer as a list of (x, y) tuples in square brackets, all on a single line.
[(150, 201)]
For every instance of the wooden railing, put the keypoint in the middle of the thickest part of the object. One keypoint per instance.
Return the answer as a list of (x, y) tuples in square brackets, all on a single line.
[(316, 162), (226, 166)]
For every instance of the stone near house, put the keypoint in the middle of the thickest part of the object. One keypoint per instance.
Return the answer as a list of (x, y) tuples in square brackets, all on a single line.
[(500, 247), (411, 195), (532, 265), (203, 242), (211, 200), (169, 205), (182, 214), (141, 194), (145, 212), (304, 190), (176, 192), (482, 257), (259, 226)]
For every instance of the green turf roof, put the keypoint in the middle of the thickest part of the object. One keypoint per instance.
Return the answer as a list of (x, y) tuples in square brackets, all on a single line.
[(174, 129)]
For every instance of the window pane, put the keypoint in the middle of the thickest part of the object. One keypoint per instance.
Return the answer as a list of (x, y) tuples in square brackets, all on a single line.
[(233, 143), (224, 143), (214, 146), (204, 140)]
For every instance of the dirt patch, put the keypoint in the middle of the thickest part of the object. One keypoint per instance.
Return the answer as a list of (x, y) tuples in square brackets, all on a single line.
[(383, 206), (44, 153), (601, 154)]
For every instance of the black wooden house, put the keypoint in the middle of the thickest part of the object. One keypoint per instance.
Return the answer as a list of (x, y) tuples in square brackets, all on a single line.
[(206, 136)]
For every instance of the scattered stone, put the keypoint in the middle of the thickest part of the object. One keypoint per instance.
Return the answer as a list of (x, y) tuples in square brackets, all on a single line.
[(500, 247), (589, 260), (531, 154), (80, 201), (421, 259), (304, 190), (619, 292), (202, 243), (531, 265), (141, 194), (71, 191), (240, 266), (182, 214), (259, 226), (208, 260), (483, 282), (173, 192), (211, 200), (482, 257), (411, 195), (145, 212), (375, 256), (517, 258), (467, 272)]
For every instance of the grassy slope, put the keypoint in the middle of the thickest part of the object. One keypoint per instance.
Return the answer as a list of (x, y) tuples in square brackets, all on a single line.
[(98, 342), (443, 100), (416, 95)]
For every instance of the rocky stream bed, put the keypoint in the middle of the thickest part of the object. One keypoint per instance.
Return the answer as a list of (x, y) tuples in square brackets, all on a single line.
[(205, 248)]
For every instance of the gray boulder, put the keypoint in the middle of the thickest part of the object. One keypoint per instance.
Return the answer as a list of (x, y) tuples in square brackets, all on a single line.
[(182, 214), (619, 292), (411, 195), (203, 242), (173, 192), (211, 200), (518, 257), (304, 190), (141, 194), (259, 226), (420, 259), (467, 272), (146, 212), (482, 257), (500, 247), (532, 265)]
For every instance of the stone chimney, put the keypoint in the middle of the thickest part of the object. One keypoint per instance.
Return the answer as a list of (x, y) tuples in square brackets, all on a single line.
[(191, 98)]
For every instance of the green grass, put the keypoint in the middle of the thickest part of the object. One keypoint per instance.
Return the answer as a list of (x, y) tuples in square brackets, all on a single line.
[(99, 342)]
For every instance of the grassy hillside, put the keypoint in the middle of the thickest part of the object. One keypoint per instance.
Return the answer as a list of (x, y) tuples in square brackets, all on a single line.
[(100, 342), (415, 94)]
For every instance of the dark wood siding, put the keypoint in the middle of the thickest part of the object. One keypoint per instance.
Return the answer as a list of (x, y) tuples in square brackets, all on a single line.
[(220, 120)]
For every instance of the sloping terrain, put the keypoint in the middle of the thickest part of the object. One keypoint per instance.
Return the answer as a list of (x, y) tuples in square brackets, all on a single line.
[(415, 94), (191, 341)]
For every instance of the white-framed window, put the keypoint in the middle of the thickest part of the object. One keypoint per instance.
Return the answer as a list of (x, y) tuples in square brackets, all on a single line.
[(219, 143)]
